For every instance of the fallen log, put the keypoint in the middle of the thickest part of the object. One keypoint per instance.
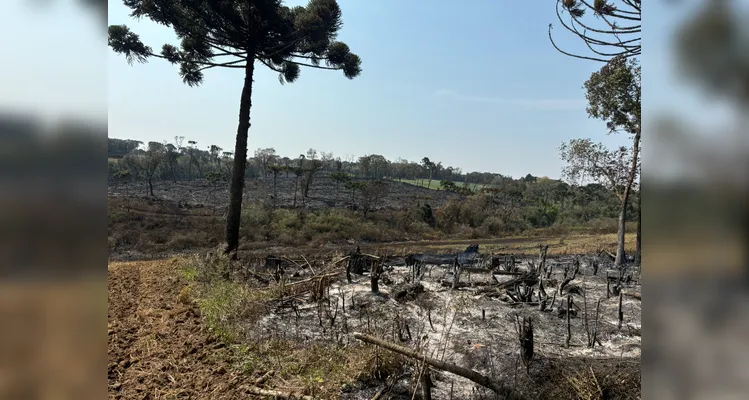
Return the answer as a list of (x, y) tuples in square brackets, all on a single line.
[(529, 278), (634, 295), (508, 273), (276, 394), (446, 283), (477, 270), (502, 390)]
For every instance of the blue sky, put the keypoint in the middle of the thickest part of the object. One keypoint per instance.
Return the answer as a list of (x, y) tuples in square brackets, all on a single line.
[(477, 87)]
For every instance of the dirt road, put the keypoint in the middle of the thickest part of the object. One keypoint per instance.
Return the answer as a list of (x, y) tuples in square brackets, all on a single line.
[(158, 348)]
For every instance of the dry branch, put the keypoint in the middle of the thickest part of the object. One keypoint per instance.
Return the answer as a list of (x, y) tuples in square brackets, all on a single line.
[(262, 379), (529, 278), (441, 365), (330, 275), (276, 393), (634, 295)]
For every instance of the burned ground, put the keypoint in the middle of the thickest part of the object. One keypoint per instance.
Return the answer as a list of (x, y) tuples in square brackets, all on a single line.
[(322, 193), (309, 315)]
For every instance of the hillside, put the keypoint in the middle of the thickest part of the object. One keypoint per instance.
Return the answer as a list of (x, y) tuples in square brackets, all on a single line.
[(322, 193)]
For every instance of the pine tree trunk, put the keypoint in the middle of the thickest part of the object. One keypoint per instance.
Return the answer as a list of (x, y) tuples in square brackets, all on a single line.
[(240, 159)]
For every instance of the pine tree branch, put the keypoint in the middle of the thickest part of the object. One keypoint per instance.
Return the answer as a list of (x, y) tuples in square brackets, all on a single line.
[(573, 55)]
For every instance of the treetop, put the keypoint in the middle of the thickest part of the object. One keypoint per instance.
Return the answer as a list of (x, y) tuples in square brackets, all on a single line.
[(229, 33)]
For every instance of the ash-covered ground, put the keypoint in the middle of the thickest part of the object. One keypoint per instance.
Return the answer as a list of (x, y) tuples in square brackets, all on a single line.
[(473, 326)]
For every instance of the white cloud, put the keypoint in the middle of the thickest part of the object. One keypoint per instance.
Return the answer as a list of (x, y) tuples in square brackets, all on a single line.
[(536, 104)]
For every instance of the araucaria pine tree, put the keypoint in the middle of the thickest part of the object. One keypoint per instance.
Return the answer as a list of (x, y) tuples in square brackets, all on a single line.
[(240, 34)]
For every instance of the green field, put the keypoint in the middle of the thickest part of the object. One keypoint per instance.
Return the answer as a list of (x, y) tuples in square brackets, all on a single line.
[(435, 184)]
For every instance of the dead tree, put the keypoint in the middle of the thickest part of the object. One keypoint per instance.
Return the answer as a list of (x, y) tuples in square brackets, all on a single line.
[(503, 391), (569, 327), (542, 267)]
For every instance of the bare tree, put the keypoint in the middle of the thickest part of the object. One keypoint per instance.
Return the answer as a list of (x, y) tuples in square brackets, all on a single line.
[(370, 194), (313, 167), (149, 163), (327, 160), (265, 157)]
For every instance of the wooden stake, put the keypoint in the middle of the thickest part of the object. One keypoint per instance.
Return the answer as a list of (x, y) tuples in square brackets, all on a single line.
[(621, 312)]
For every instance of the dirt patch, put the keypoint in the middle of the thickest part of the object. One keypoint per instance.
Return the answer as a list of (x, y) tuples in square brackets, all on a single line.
[(158, 347)]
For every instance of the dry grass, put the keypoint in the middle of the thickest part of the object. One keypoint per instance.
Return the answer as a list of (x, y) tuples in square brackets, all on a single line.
[(588, 379), (314, 368), (154, 227), (569, 244)]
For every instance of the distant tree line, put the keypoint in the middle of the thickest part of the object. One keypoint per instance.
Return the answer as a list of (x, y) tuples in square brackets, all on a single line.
[(491, 201), (178, 160)]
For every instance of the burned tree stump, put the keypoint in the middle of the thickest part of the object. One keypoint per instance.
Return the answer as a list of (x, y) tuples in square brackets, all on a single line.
[(425, 382), (358, 263), (409, 291), (543, 297), (526, 342), (457, 269), (621, 312), (567, 277), (375, 277)]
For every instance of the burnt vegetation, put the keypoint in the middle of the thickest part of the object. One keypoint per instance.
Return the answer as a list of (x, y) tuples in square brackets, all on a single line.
[(312, 276), (483, 336)]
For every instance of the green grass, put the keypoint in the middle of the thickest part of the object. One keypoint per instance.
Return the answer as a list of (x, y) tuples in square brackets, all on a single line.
[(230, 310), (435, 184)]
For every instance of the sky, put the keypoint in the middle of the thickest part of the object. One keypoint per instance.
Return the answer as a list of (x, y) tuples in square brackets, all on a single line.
[(479, 88)]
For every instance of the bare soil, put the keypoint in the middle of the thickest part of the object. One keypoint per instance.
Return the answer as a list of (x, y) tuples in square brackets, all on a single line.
[(158, 347)]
